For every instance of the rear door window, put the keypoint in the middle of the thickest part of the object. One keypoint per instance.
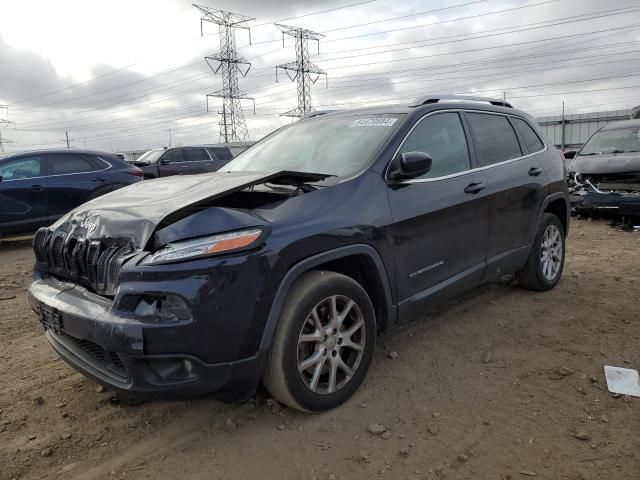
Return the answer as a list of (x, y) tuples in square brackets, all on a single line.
[(66, 163), (25, 167), (443, 138), (494, 138), (195, 155), (528, 136)]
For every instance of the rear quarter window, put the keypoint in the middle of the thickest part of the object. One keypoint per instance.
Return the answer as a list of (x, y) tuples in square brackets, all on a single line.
[(494, 138), (528, 135)]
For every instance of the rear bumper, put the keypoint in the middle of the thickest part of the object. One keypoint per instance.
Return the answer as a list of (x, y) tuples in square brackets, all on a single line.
[(627, 204)]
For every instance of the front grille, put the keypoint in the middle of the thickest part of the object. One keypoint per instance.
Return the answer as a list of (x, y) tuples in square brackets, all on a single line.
[(106, 358), (89, 263), (57, 254), (40, 245)]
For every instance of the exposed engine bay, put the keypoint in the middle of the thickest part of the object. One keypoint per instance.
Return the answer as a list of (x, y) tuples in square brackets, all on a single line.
[(91, 244)]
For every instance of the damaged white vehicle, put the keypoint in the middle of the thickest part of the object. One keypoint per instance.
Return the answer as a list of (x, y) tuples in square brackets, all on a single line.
[(604, 176)]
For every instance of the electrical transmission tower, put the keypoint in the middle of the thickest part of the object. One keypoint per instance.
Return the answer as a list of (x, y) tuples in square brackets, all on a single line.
[(233, 127), (306, 73), (4, 124)]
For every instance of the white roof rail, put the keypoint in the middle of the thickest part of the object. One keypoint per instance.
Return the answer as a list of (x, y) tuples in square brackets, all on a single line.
[(424, 100)]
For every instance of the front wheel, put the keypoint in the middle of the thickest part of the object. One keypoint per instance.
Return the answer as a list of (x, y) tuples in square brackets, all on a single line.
[(546, 260), (324, 343)]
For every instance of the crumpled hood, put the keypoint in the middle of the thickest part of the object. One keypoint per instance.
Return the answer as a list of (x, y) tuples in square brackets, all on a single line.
[(606, 163), (133, 213)]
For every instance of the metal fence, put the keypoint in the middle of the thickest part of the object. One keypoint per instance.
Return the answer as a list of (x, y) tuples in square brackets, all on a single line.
[(571, 131)]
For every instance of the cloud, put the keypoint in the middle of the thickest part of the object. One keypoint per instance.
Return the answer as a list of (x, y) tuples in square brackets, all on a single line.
[(537, 56)]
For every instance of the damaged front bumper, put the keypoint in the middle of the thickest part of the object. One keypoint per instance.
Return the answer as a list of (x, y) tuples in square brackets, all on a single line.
[(586, 198), (209, 346)]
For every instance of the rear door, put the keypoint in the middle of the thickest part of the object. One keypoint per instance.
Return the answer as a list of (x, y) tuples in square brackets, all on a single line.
[(72, 179), (23, 195), (440, 220), (197, 160), (517, 189), (172, 163)]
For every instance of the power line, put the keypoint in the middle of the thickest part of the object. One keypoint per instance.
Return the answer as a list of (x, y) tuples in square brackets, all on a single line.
[(473, 50), (316, 13)]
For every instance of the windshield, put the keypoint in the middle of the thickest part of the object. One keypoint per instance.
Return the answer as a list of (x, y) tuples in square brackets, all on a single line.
[(151, 156), (620, 140), (339, 146)]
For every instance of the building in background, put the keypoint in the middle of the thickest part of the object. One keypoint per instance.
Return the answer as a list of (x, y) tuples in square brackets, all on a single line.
[(572, 131)]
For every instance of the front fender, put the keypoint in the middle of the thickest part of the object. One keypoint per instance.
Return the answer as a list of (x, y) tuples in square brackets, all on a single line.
[(319, 259)]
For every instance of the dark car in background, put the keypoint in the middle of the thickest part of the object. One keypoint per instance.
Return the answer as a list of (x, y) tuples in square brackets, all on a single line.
[(604, 176), (192, 159), (38, 187)]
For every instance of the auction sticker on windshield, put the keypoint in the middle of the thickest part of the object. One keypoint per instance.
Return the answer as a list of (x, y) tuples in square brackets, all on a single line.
[(373, 122)]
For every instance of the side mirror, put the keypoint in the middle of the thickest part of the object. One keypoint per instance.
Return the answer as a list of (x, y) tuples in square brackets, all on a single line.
[(410, 165), (165, 161), (570, 154)]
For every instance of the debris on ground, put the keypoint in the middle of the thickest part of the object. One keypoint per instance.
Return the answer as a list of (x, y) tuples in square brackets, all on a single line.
[(376, 429), (584, 436), (624, 381)]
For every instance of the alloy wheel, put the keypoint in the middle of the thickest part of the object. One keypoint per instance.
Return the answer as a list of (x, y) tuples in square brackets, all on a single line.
[(331, 344), (551, 252)]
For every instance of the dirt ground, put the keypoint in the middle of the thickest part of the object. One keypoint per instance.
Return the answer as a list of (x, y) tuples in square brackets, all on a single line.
[(503, 384)]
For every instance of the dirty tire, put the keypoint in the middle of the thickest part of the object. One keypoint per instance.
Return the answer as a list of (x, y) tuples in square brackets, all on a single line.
[(308, 294), (532, 275)]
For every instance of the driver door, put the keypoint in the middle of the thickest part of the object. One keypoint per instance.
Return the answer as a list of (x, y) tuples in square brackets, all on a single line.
[(440, 220)]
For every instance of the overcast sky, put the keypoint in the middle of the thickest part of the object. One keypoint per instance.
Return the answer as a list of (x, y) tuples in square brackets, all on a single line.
[(119, 75)]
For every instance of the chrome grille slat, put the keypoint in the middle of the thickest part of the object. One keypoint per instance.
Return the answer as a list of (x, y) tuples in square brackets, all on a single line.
[(89, 263)]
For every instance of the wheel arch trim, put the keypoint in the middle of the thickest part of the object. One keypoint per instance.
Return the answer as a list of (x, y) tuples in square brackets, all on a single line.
[(551, 198), (308, 264)]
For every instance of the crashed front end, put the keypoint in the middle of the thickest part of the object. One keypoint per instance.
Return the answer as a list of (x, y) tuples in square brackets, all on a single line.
[(605, 193), (145, 324)]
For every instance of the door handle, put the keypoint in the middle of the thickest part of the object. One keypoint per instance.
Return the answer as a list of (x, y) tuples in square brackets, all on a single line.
[(535, 171), (475, 188), (37, 188), (99, 180)]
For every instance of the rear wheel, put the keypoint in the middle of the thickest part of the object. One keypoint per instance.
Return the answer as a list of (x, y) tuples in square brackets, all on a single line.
[(546, 260), (324, 342)]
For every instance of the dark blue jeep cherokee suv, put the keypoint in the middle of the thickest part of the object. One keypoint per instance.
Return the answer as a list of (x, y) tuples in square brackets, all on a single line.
[(285, 266)]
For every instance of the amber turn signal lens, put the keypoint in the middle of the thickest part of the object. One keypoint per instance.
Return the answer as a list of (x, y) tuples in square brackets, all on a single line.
[(233, 243)]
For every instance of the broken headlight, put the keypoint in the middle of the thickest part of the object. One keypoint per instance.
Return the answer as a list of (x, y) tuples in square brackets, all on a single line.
[(204, 246)]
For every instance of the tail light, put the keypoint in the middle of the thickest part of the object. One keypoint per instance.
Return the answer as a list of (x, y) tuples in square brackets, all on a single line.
[(562, 155), (136, 172)]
